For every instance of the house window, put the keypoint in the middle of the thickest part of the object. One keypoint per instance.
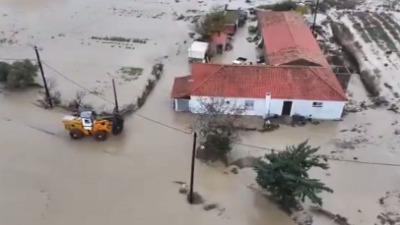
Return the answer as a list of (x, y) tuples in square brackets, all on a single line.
[(249, 104), (227, 102), (317, 104)]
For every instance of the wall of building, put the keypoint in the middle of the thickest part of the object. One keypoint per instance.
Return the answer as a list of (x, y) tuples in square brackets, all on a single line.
[(196, 105), (330, 110)]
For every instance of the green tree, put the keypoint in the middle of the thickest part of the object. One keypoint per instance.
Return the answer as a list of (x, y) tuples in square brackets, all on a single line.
[(4, 70), (285, 175), (280, 6), (211, 22), (21, 74)]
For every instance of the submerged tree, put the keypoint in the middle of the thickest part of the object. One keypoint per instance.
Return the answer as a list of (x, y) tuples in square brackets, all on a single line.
[(285, 175), (18, 74), (4, 71), (216, 123), (211, 22)]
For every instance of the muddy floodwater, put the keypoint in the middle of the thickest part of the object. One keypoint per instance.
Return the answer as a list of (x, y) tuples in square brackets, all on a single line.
[(45, 178)]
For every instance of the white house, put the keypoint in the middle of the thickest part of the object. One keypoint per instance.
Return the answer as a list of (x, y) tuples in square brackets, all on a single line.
[(262, 90)]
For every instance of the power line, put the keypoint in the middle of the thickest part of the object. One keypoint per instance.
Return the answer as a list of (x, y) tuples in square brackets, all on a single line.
[(76, 83), (259, 148), (111, 102), (76, 64), (18, 59)]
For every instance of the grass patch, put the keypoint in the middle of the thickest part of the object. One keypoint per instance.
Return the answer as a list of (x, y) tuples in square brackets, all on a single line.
[(130, 73), (121, 39)]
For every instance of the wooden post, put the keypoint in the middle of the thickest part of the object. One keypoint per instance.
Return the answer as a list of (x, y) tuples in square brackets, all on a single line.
[(44, 79), (116, 109), (315, 16), (192, 169)]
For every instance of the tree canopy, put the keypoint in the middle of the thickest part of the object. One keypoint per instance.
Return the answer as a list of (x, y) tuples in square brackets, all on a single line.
[(18, 74), (210, 23), (280, 6), (285, 175)]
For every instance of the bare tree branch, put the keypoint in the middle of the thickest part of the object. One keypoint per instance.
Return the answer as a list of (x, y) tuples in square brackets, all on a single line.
[(216, 121)]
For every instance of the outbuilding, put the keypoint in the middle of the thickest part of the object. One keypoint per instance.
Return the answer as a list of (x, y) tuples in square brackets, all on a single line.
[(198, 52)]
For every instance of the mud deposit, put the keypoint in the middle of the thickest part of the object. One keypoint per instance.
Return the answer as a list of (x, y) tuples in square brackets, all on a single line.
[(47, 179)]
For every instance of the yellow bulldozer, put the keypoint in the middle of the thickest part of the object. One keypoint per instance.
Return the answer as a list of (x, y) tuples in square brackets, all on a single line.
[(87, 123)]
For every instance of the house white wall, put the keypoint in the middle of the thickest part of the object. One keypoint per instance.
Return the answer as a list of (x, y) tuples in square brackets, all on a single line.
[(330, 110), (195, 104)]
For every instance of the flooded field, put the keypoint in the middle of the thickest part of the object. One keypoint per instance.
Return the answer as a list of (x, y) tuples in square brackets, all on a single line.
[(45, 178)]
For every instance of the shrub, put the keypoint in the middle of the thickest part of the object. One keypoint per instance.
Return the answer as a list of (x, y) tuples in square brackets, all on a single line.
[(19, 74), (281, 6)]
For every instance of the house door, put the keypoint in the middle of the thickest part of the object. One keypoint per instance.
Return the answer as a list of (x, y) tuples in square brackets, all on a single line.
[(287, 108), (220, 49)]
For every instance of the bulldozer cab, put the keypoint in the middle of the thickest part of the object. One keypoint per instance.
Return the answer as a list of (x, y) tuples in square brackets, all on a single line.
[(87, 120)]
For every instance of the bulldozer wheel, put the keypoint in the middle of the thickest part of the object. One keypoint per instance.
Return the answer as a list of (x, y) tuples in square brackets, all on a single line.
[(100, 135), (76, 134)]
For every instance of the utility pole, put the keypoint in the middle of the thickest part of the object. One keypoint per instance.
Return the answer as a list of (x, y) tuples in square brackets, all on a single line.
[(192, 169), (44, 79), (315, 16), (116, 110)]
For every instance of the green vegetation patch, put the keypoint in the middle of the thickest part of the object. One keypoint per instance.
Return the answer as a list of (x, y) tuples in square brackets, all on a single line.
[(130, 73)]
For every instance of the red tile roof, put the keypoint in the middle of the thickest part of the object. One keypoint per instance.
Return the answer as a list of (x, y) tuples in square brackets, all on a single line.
[(180, 88), (284, 82), (288, 38)]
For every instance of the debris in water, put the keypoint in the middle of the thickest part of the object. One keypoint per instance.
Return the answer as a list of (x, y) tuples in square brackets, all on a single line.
[(183, 189), (179, 182), (211, 206), (246, 162), (338, 219), (302, 218), (234, 170), (390, 203)]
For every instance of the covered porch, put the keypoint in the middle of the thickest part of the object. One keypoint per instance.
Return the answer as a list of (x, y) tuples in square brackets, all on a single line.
[(181, 93)]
